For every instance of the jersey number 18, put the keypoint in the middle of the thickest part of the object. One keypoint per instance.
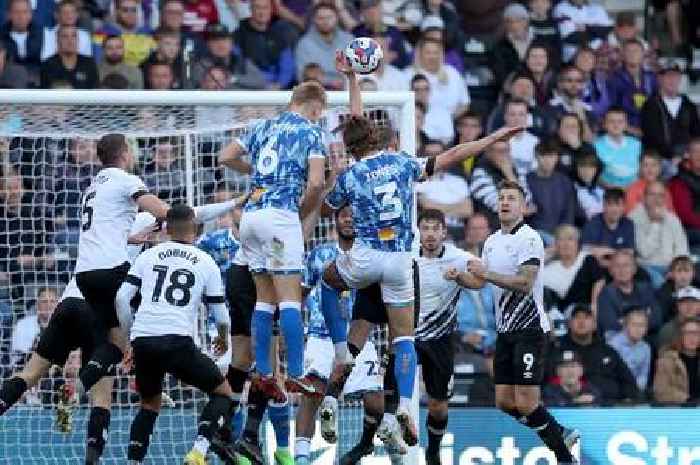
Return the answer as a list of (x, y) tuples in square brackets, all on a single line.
[(180, 279)]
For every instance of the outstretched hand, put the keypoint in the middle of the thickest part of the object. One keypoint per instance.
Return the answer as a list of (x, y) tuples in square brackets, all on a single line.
[(342, 65), (506, 133)]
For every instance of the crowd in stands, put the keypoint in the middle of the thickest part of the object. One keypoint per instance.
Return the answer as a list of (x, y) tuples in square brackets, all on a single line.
[(610, 160)]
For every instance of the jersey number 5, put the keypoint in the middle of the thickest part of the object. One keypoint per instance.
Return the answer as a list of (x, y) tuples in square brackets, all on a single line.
[(87, 211), (391, 203), (180, 279)]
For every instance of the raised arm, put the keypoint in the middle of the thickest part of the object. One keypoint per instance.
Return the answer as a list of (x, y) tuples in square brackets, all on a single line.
[(230, 157), (342, 66), (153, 205), (461, 152)]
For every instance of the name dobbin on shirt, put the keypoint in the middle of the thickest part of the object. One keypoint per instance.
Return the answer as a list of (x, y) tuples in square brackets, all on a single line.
[(383, 172), (179, 253)]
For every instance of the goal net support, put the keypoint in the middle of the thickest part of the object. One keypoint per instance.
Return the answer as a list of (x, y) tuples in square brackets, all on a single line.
[(47, 157)]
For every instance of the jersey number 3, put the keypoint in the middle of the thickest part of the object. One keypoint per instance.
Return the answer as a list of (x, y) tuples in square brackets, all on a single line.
[(180, 280), (391, 203), (87, 211)]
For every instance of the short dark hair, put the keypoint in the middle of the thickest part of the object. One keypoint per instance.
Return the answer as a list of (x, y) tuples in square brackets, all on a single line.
[(110, 147), (566, 69), (45, 289), (468, 114), (111, 37), (548, 146), (323, 4), (651, 153), (419, 77), (681, 260), (360, 135), (179, 217), (515, 101), (614, 194), (507, 184), (588, 157), (615, 109), (633, 41), (115, 81), (432, 214)]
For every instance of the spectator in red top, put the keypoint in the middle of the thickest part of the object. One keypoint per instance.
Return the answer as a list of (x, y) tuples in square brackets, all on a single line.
[(685, 190), (199, 14)]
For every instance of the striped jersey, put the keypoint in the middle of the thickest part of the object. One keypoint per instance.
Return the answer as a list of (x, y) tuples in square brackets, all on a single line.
[(280, 149), (438, 296), (505, 253)]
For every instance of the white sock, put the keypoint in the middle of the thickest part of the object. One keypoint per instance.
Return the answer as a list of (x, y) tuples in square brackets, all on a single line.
[(405, 404), (302, 447), (201, 444)]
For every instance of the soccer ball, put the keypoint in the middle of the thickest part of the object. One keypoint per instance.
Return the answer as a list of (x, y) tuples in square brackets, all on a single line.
[(364, 54)]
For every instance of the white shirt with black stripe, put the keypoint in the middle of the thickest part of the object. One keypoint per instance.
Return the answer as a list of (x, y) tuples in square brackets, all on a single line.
[(504, 253), (108, 212), (437, 296), (174, 279)]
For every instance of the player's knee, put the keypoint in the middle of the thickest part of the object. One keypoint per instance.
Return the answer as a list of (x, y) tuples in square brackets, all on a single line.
[(332, 278), (437, 408)]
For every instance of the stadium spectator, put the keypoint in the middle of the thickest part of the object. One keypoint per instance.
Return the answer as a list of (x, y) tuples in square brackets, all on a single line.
[(685, 190), (476, 230), (469, 128), (319, 44), (420, 111), (669, 118), (687, 300), (23, 38), (68, 65), (138, 41), (588, 192), (448, 193), (537, 66), (113, 63), (215, 78), (544, 26), (553, 194), (25, 231), (447, 87), (42, 11), (495, 166), (595, 88), (12, 76), (649, 171), (631, 85), (522, 87), (580, 23), (572, 146), (66, 16), (681, 273), (372, 24), (602, 366), (626, 29), (658, 233), (261, 38), (199, 14), (388, 77), (618, 152), (508, 53), (437, 123), (441, 14), (572, 274), (164, 174), (168, 50), (26, 332), (159, 76), (569, 388), (624, 292), (221, 52), (522, 145), (433, 28), (568, 98), (630, 344), (610, 230), (677, 378), (172, 17), (476, 324)]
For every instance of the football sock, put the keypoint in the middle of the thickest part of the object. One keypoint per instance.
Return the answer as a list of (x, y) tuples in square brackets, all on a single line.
[(293, 330), (262, 336), (140, 434)]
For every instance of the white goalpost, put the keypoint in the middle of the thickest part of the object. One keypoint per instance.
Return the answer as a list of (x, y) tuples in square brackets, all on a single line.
[(47, 157)]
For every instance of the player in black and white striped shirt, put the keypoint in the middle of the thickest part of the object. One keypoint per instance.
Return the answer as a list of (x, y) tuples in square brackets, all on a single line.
[(512, 261), (441, 275)]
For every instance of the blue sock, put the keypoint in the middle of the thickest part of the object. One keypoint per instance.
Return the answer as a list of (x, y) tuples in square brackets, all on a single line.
[(335, 322), (262, 337), (279, 417), (292, 328), (405, 365), (237, 422)]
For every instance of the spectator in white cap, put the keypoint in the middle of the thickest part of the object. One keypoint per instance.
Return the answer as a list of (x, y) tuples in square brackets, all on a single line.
[(508, 54), (687, 308)]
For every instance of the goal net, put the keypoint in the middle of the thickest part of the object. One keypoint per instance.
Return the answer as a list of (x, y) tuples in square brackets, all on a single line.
[(47, 157)]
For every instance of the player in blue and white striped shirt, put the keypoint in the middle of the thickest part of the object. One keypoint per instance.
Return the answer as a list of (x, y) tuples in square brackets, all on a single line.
[(379, 189)]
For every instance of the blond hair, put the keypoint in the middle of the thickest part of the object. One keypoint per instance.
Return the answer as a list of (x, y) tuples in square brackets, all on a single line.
[(307, 92)]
